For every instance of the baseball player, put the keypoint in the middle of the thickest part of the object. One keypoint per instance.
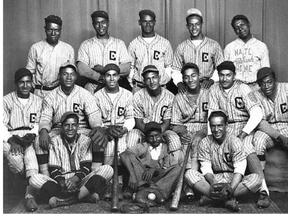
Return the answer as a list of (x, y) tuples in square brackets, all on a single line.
[(222, 161), (273, 98), (154, 103), (100, 50), (66, 97), (198, 49), (45, 57), (246, 52), (149, 48), (244, 112), (116, 108), (21, 110), (69, 167)]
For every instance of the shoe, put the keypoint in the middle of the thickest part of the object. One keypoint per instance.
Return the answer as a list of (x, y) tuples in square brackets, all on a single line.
[(189, 193), (31, 205), (108, 194), (92, 198), (56, 202), (263, 201), (128, 193), (205, 201), (232, 204)]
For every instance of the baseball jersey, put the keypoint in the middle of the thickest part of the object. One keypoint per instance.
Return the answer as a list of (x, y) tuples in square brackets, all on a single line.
[(248, 58), (198, 112), (159, 53), (207, 55), (236, 103), (148, 110), (17, 116), (80, 101), (67, 158), (45, 60)]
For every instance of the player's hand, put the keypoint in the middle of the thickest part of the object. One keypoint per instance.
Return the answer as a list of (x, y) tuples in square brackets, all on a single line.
[(62, 184), (44, 140), (185, 139), (206, 83), (71, 183), (148, 174), (242, 135), (133, 182), (98, 68), (283, 141), (181, 88), (16, 149), (116, 131)]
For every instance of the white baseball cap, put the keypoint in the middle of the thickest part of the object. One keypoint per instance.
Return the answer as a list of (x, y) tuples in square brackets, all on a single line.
[(193, 11)]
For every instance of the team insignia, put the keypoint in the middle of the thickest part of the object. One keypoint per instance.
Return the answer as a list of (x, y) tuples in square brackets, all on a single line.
[(205, 107), (112, 55), (76, 107), (283, 108), (121, 111), (239, 103), (33, 117), (205, 57), (252, 97), (156, 55), (228, 157), (163, 110)]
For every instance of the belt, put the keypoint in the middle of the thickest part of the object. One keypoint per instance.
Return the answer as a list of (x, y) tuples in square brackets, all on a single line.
[(45, 88), (20, 128)]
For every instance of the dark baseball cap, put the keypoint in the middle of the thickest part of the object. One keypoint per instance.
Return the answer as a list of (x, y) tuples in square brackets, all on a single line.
[(239, 17), (21, 72), (147, 12), (151, 126), (100, 13), (68, 64), (69, 114), (111, 66), (150, 68), (263, 72), (226, 65), (53, 19), (189, 65)]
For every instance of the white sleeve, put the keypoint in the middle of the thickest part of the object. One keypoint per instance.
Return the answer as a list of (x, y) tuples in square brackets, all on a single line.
[(5, 133), (240, 167), (206, 167), (256, 116), (129, 124), (176, 76), (215, 76)]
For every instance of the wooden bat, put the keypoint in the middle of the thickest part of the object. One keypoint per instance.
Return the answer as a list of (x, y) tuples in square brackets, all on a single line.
[(177, 193), (115, 192)]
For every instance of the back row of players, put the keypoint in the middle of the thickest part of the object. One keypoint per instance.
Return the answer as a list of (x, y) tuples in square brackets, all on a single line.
[(183, 118)]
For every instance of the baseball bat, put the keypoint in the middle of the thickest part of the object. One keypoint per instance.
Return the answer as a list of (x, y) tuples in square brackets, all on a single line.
[(115, 192), (177, 193)]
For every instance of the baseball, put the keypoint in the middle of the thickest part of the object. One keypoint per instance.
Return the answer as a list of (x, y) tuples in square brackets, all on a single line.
[(151, 196)]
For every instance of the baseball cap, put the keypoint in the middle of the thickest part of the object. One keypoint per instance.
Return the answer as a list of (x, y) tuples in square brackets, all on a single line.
[(226, 65), (193, 11), (189, 65), (239, 17), (149, 68), (111, 66), (147, 12), (263, 72), (100, 13), (68, 114), (21, 72), (53, 19), (152, 126), (68, 64)]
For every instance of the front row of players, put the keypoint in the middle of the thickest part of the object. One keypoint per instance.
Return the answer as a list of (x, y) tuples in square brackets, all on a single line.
[(71, 155)]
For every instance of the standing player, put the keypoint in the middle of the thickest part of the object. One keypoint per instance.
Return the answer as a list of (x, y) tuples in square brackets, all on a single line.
[(45, 57), (66, 97), (245, 113), (198, 49), (149, 49), (246, 52), (21, 110), (116, 108), (100, 50)]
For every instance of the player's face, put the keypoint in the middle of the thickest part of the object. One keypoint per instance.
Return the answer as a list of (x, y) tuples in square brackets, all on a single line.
[(218, 128), (191, 78), (24, 86), (268, 85), (111, 78), (194, 25), (101, 25), (151, 81), (53, 33), (147, 24), (69, 128), (67, 77), (226, 78), (154, 138), (242, 29)]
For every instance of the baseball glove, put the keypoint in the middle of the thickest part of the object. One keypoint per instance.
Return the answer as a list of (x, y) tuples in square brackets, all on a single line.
[(221, 191), (25, 140), (114, 130), (99, 138), (134, 208), (142, 197)]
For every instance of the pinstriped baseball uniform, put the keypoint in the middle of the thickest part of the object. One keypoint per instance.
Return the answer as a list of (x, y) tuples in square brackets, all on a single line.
[(92, 52), (222, 158), (237, 104), (68, 158), (18, 118), (247, 57), (207, 55), (45, 60), (115, 113), (148, 110), (159, 53), (276, 113)]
